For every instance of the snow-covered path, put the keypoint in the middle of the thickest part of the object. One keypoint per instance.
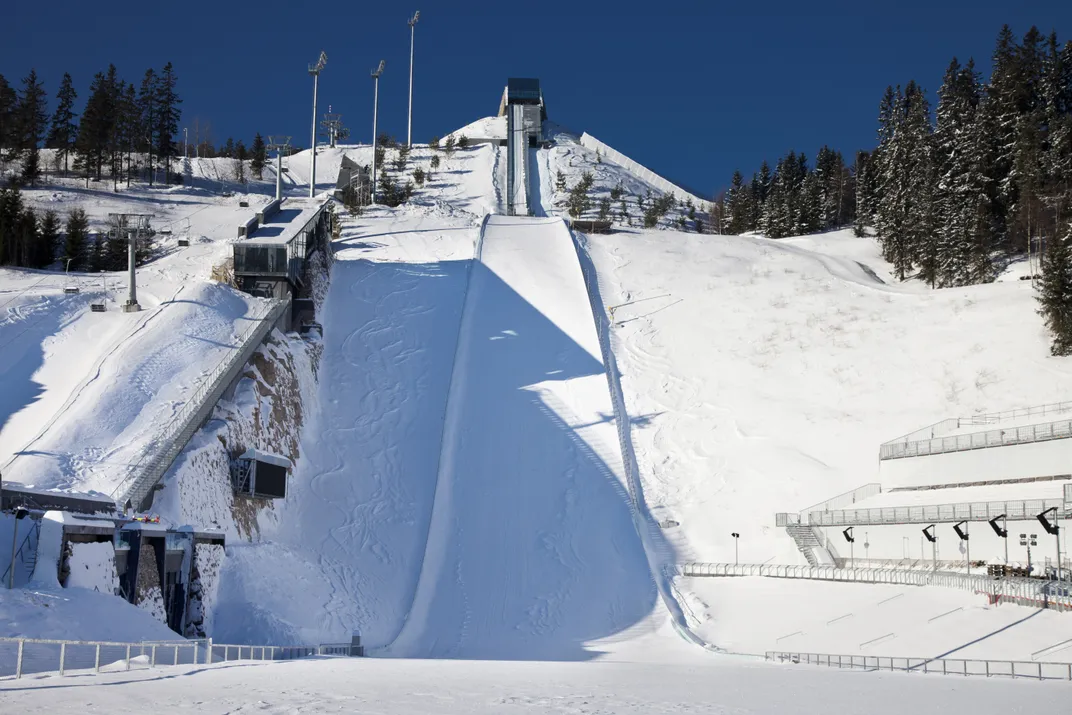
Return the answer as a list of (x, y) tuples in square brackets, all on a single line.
[(532, 551), (720, 686)]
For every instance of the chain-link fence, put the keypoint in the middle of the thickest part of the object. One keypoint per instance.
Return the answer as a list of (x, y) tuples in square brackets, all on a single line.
[(945, 666)]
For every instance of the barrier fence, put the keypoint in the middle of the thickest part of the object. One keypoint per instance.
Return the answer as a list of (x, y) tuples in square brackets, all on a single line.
[(30, 656), (157, 459), (1035, 593), (945, 666), (1022, 510), (977, 440)]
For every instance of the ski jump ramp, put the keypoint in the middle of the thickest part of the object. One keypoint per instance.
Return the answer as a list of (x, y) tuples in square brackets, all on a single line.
[(532, 550)]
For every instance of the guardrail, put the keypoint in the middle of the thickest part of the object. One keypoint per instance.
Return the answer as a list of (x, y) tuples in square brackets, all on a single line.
[(158, 457), (1026, 509), (945, 666), (850, 497), (1025, 592), (986, 418), (1044, 432), (24, 656)]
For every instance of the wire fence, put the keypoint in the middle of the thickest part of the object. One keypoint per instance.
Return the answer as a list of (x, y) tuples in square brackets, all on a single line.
[(977, 440), (158, 456), (1035, 593), (37, 656), (945, 666)]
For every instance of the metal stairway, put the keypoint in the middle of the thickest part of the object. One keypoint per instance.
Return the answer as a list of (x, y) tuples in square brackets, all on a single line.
[(806, 541)]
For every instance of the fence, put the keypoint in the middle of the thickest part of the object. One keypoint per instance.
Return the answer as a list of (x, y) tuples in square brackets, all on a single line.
[(850, 497), (26, 656), (988, 418), (945, 666), (977, 440), (1021, 591), (158, 457), (590, 142), (965, 511)]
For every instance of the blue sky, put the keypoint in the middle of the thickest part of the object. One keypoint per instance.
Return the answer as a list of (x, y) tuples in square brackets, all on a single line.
[(691, 89)]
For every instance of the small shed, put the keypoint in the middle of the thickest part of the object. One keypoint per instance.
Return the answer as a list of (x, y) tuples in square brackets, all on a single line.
[(261, 474)]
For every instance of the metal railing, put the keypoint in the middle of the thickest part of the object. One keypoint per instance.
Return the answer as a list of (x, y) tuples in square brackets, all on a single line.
[(1021, 591), (24, 656), (987, 418), (946, 666), (158, 457), (850, 497), (977, 440), (1026, 509)]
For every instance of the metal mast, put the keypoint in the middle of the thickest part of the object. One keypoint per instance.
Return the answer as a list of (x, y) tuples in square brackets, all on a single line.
[(412, 31), (375, 110), (314, 70), (279, 145)]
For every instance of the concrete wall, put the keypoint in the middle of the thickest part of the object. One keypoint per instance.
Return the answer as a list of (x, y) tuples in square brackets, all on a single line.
[(1037, 459)]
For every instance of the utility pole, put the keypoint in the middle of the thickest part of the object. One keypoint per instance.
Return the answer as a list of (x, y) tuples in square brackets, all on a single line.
[(412, 32), (185, 143), (279, 145), (932, 537), (314, 70), (736, 540), (375, 111)]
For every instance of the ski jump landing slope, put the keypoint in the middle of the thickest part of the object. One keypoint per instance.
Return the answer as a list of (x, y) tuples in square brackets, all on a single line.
[(532, 552)]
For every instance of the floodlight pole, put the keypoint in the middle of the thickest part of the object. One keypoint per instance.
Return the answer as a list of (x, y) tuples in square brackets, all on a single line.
[(412, 32), (375, 112), (314, 70)]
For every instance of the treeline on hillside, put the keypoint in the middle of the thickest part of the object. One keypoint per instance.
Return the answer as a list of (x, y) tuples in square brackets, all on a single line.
[(951, 193), (793, 200), (33, 239), (117, 123)]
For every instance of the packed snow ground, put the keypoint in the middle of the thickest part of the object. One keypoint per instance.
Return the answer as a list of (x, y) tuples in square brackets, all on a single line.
[(723, 686), (759, 376)]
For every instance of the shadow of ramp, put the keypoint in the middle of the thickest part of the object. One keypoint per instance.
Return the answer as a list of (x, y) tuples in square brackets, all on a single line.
[(532, 552)]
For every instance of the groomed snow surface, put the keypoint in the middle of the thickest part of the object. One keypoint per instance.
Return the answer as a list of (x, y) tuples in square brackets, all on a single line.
[(462, 492)]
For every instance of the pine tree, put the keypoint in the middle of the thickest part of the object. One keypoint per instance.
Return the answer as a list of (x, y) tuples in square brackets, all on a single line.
[(64, 129), (168, 115), (1000, 118), (259, 156), (74, 247), (10, 219), (240, 162), (148, 114), (8, 102), (737, 206), (48, 237), (129, 124), (32, 124), (1055, 293)]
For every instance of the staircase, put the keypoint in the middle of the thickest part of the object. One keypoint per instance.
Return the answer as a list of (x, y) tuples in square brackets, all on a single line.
[(26, 555), (807, 541)]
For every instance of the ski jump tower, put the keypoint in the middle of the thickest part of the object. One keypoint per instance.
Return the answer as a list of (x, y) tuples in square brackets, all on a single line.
[(522, 105)]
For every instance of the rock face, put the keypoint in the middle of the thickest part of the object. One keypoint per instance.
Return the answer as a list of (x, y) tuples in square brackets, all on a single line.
[(150, 596)]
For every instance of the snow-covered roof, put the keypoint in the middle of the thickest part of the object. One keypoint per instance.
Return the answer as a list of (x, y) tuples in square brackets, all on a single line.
[(266, 457)]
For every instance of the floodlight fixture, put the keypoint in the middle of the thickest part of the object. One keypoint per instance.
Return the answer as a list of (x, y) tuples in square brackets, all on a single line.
[(929, 533), (999, 530), (848, 535)]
